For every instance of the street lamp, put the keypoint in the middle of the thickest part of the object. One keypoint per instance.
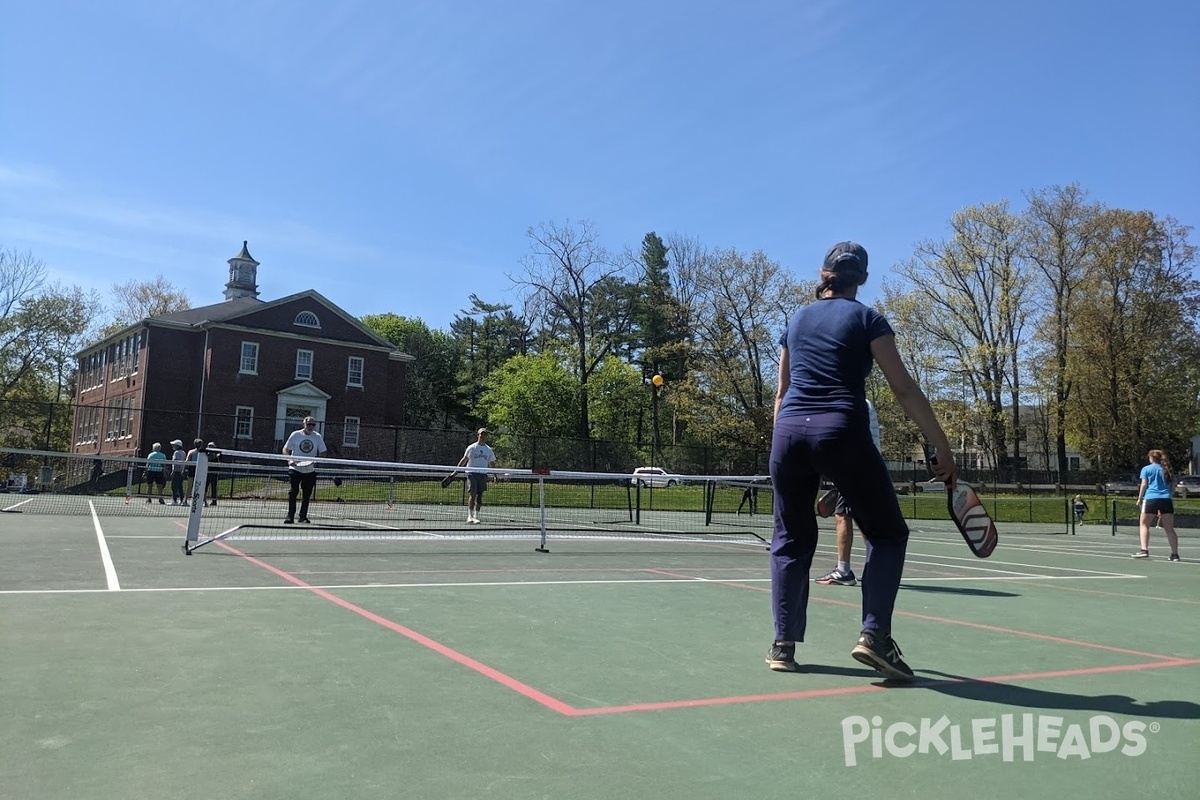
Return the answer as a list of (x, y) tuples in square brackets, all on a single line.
[(655, 449)]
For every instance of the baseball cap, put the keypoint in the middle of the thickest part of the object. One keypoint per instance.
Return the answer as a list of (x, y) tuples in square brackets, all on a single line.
[(211, 444), (177, 442), (846, 258)]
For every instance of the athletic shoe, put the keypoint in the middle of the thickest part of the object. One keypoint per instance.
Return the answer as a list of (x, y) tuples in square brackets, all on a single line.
[(882, 654), (1173, 557), (839, 578), (305, 521), (1141, 554), (782, 658), (289, 521), (149, 500), (161, 502)]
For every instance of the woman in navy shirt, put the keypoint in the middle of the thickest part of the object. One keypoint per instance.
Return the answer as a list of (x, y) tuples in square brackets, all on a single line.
[(821, 428)]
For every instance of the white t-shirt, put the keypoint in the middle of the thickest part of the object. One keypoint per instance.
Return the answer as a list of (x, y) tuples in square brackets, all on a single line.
[(303, 446), (479, 456)]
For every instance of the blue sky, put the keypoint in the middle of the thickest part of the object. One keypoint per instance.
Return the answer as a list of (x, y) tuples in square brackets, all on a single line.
[(392, 155)]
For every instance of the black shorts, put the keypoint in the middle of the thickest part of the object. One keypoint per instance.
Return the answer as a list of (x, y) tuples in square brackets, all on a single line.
[(1160, 506), (153, 478)]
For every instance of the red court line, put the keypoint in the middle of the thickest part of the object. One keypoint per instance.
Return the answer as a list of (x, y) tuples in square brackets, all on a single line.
[(952, 621), (494, 674), (566, 709), (874, 687)]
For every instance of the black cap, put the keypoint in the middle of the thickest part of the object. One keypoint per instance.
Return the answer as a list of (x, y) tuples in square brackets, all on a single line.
[(846, 258)]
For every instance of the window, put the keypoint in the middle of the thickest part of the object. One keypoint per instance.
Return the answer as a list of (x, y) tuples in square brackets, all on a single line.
[(354, 371), (137, 350), (304, 365), (350, 432), (307, 319), (249, 358), (243, 428), (1072, 462)]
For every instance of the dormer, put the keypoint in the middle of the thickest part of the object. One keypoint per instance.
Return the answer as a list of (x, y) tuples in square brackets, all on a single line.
[(243, 275)]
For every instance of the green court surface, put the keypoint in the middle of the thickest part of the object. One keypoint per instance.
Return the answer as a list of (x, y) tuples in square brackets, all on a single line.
[(446, 667)]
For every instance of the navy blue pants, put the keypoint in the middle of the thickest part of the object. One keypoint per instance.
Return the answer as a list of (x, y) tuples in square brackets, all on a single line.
[(838, 446)]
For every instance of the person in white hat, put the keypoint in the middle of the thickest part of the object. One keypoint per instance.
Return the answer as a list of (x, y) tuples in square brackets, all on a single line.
[(178, 471)]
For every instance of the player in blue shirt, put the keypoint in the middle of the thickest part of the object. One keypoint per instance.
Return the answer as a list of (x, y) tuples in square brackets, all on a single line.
[(1155, 491), (821, 428)]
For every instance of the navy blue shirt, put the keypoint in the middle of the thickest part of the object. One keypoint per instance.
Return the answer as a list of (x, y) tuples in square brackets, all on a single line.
[(829, 352)]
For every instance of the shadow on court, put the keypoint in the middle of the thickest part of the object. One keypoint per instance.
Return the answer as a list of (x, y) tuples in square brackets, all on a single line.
[(965, 688), (960, 590)]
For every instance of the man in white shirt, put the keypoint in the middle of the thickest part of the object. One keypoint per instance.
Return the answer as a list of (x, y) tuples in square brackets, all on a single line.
[(306, 444), (477, 457)]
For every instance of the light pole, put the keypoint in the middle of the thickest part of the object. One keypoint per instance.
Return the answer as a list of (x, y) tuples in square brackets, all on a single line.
[(656, 384)]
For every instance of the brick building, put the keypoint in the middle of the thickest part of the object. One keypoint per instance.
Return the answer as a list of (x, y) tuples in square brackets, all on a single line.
[(242, 373)]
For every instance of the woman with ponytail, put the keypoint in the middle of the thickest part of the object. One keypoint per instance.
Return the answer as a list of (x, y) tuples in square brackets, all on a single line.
[(1154, 497), (822, 428)]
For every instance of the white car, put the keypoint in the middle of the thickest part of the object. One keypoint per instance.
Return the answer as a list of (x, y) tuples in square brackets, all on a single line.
[(654, 477)]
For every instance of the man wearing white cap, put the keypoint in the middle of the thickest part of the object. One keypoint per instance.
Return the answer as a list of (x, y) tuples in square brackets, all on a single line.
[(307, 444), (178, 471)]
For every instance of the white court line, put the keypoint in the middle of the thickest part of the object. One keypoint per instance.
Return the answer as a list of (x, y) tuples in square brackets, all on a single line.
[(18, 505), (483, 584), (110, 572)]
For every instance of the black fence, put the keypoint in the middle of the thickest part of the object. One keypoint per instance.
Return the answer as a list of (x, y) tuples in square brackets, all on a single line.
[(46, 426)]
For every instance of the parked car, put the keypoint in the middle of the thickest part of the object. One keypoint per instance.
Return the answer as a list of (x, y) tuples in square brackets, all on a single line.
[(1129, 486), (654, 477), (1188, 486)]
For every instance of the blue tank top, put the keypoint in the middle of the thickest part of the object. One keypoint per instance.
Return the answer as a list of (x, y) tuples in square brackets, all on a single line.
[(829, 352)]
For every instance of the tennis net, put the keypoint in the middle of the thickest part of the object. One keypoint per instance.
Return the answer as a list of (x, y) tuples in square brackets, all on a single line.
[(387, 500)]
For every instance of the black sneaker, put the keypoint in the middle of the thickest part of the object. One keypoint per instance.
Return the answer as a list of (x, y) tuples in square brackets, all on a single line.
[(1173, 557), (305, 521), (838, 578), (882, 654), (289, 521), (1141, 554), (782, 658)]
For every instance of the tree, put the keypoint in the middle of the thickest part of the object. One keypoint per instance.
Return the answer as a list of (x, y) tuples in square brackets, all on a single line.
[(579, 294), (1058, 243), (974, 287), (41, 327), (487, 335), (133, 301), (431, 393), (743, 304), (1136, 342), (528, 397)]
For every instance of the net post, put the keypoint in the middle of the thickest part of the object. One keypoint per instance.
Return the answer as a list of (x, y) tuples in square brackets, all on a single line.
[(637, 495), (194, 513), (541, 548), (128, 481), (710, 494), (1114, 517)]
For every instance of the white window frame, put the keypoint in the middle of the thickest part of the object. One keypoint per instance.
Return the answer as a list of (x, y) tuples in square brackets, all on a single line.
[(351, 431), (307, 319), (240, 419), (300, 376), (362, 368), (248, 365)]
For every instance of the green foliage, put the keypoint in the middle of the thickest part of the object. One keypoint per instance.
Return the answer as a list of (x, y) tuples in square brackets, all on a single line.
[(530, 396), (432, 396)]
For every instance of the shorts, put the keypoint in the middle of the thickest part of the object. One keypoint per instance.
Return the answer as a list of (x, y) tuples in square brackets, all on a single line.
[(158, 478), (477, 482), (842, 509), (1158, 506)]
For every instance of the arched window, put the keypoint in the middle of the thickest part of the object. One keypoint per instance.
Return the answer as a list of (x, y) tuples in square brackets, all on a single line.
[(308, 319)]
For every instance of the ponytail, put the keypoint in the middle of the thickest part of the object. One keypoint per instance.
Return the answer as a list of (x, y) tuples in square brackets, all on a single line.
[(1160, 458)]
